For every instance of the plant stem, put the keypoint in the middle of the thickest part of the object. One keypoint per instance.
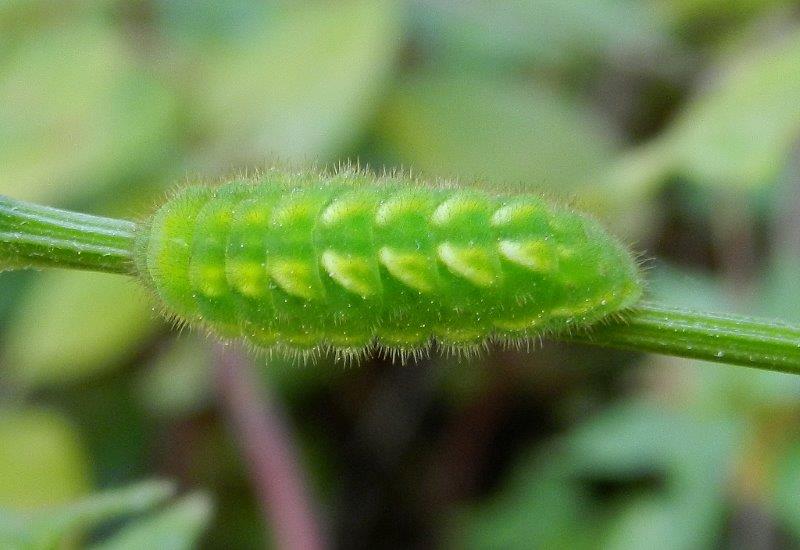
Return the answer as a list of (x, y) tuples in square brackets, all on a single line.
[(731, 339), (33, 236), (269, 452)]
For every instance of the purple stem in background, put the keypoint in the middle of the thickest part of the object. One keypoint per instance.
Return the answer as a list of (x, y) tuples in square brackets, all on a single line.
[(264, 438)]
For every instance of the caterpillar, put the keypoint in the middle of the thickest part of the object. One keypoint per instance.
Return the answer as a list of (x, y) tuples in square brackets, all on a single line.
[(351, 262)]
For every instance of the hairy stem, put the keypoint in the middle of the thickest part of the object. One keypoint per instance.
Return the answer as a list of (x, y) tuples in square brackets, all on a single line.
[(33, 236), (732, 339)]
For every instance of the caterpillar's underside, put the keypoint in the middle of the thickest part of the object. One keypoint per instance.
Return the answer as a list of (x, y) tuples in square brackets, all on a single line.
[(307, 262)]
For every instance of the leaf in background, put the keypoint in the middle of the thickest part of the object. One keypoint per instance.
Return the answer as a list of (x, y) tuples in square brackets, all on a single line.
[(786, 490), (778, 290), (52, 527), (12, 285), (738, 132), (551, 32), (690, 288), (179, 382), (512, 133), (624, 440), (202, 24), (548, 502), (540, 507), (300, 86), (640, 518), (77, 114), (694, 452), (696, 12), (177, 527), (74, 324), (42, 459), (114, 426)]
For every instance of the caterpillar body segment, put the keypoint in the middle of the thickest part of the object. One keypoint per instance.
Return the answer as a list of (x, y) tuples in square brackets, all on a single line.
[(306, 262)]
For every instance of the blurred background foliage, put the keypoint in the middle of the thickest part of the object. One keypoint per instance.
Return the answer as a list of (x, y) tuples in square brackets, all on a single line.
[(676, 121)]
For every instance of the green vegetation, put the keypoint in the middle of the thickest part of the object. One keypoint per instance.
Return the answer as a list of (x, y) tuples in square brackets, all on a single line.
[(674, 122)]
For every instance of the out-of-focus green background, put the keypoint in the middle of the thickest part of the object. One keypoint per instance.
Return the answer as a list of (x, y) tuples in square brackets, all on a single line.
[(676, 121)]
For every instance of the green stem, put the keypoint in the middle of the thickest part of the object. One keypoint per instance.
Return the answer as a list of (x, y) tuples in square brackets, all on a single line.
[(731, 339), (33, 236)]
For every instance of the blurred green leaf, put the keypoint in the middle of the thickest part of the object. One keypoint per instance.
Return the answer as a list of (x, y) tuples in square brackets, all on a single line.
[(625, 440), (778, 291), (179, 381), (779, 284), (694, 12), (684, 287), (71, 325), (43, 460), (641, 518), (693, 451), (551, 32), (51, 527), (175, 528), (76, 113), (540, 507), (121, 436), (299, 87), (786, 489), (206, 24), (738, 131), (548, 502), (12, 285), (20, 18), (508, 132)]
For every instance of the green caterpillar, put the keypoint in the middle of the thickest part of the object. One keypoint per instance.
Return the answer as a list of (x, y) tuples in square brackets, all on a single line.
[(304, 262)]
